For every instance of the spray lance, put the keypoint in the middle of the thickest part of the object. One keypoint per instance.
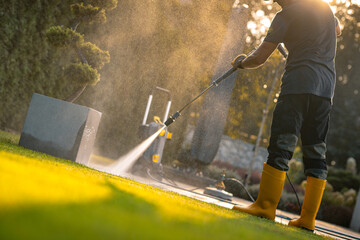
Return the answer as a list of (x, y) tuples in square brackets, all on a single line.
[(172, 118), (215, 83)]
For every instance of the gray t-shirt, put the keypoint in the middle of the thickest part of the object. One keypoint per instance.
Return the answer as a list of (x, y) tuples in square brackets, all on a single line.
[(308, 30)]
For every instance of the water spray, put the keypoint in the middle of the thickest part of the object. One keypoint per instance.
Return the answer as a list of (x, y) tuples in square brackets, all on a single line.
[(124, 163)]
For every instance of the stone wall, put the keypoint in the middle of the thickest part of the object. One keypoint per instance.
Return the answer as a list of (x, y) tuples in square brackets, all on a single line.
[(239, 153), (234, 151)]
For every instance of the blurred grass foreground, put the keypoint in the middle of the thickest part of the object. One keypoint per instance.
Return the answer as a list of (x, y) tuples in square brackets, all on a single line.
[(42, 197)]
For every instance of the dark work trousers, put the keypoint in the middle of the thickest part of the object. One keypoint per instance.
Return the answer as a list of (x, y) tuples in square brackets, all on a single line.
[(304, 115)]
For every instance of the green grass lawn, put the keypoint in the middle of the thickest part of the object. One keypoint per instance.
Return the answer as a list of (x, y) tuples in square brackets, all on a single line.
[(43, 197)]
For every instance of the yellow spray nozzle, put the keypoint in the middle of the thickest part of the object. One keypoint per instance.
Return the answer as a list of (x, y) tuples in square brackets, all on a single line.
[(162, 133), (155, 158)]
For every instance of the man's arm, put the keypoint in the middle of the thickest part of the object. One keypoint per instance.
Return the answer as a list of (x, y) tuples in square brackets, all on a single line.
[(260, 55)]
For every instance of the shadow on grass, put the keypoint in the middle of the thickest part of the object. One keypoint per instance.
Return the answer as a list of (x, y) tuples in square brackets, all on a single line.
[(127, 216)]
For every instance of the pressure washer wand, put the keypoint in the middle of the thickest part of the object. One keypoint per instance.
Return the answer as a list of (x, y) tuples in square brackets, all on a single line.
[(215, 83)]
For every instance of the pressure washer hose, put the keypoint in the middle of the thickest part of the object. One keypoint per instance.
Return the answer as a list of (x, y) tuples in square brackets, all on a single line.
[(242, 185)]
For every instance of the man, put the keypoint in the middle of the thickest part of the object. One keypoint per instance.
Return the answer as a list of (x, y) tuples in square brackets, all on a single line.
[(308, 29)]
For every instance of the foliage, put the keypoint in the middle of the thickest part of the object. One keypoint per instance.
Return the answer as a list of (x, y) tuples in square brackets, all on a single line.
[(333, 198), (88, 13), (253, 86), (82, 74), (29, 64), (216, 172), (343, 139), (64, 37), (241, 172), (95, 57), (43, 195), (328, 187), (288, 202), (89, 58), (351, 165), (254, 190), (249, 98), (288, 188), (350, 198), (298, 155), (346, 199), (341, 179), (338, 215), (105, 4), (296, 171), (8, 138)]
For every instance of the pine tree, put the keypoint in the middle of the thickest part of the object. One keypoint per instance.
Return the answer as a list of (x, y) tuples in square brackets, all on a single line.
[(86, 59)]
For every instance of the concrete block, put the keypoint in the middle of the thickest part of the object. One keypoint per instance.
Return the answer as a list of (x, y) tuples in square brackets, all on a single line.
[(60, 128)]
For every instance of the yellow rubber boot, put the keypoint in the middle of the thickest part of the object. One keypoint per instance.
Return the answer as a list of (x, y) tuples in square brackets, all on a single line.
[(312, 199), (271, 186)]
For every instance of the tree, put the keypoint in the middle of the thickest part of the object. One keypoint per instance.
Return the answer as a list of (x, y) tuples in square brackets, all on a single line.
[(85, 58), (252, 87), (29, 64), (344, 138)]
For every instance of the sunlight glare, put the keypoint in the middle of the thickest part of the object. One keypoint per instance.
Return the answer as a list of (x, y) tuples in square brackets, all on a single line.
[(265, 22), (333, 9), (260, 13), (251, 25)]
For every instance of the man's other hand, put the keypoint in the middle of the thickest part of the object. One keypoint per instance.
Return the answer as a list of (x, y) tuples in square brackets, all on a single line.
[(236, 63)]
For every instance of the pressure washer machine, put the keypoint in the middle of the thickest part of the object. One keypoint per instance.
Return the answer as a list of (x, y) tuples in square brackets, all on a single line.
[(153, 155)]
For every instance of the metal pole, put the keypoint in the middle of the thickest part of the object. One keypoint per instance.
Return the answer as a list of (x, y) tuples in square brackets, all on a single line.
[(147, 109), (166, 115)]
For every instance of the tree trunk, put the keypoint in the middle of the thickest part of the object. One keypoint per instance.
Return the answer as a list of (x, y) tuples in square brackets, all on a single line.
[(264, 116), (76, 95)]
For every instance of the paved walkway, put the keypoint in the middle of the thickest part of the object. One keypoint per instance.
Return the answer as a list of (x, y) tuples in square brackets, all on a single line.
[(322, 228), (282, 216)]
